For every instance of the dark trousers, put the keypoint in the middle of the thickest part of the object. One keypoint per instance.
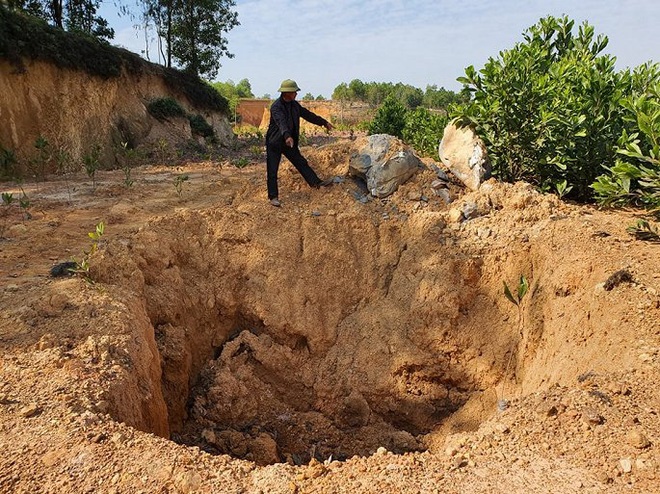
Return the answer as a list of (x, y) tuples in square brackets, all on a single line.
[(274, 154)]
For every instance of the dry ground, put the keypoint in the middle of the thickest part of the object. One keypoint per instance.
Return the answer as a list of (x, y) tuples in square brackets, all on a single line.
[(337, 344)]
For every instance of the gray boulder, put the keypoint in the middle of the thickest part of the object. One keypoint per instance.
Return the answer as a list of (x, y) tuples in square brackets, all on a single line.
[(384, 162), (465, 155)]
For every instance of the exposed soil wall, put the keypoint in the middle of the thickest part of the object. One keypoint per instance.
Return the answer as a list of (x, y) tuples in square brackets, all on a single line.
[(75, 112)]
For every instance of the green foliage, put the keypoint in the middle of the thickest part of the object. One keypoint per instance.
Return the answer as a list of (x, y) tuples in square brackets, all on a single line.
[(643, 230), (128, 156), (523, 288), (635, 177), (375, 93), (423, 130), (308, 97), (548, 109), (7, 163), (389, 119), (24, 36), (165, 108), (196, 38), (200, 94), (179, 180), (200, 126), (39, 164), (92, 163), (234, 92), (82, 266), (241, 162), (7, 198)]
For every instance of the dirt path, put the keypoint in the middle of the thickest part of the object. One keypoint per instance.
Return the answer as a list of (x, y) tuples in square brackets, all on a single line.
[(337, 344)]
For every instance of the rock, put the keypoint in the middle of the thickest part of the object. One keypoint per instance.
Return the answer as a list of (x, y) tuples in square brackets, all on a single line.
[(547, 409), (636, 438), (465, 155), (189, 482), (591, 416), (29, 411), (381, 451), (456, 215), (383, 162), (443, 194), (470, 210), (625, 465)]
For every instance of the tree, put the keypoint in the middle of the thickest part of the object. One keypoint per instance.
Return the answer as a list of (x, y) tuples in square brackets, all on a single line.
[(244, 89), (74, 15), (308, 97), (193, 31), (390, 118), (82, 18)]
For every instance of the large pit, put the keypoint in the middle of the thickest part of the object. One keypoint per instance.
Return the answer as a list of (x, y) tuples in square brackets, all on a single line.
[(287, 337)]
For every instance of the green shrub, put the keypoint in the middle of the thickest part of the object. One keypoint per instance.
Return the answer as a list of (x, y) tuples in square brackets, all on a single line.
[(390, 118), (165, 108), (635, 177), (200, 126), (200, 94), (423, 130), (7, 163), (549, 109)]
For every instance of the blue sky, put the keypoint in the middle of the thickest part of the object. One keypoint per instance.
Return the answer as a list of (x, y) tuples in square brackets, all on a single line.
[(321, 44)]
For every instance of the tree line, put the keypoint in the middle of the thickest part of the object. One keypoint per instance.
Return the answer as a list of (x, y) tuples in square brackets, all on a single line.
[(190, 33)]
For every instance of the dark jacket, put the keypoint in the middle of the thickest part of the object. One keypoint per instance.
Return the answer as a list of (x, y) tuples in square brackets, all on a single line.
[(285, 121)]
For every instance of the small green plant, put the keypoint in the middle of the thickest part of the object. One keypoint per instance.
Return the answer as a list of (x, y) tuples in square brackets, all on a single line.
[(165, 108), (241, 162), (643, 230), (82, 266), (64, 167), (256, 151), (522, 289), (24, 203), (128, 156), (39, 164), (178, 183), (7, 163), (7, 198), (92, 163), (563, 188), (163, 150)]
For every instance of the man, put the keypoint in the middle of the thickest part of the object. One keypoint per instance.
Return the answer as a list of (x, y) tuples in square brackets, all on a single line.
[(282, 139)]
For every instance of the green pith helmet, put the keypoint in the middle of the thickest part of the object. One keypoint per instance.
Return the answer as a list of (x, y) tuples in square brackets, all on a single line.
[(289, 86)]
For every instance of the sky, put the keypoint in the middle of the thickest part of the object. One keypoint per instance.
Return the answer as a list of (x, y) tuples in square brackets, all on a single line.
[(322, 43)]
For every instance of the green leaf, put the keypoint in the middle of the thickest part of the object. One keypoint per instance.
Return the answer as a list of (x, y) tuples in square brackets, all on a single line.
[(508, 295)]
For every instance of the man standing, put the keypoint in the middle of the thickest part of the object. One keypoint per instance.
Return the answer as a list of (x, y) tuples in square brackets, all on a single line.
[(282, 139)]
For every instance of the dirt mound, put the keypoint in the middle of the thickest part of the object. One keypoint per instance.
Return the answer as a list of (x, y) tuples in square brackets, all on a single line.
[(357, 345)]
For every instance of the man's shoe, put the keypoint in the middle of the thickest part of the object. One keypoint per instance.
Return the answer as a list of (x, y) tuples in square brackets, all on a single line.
[(325, 183), (275, 202)]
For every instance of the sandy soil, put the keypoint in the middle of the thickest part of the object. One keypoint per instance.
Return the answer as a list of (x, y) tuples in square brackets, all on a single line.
[(336, 344)]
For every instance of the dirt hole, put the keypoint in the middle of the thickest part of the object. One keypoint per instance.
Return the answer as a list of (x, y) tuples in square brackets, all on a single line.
[(286, 337)]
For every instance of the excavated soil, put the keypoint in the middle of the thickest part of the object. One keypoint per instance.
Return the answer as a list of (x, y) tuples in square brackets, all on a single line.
[(338, 344)]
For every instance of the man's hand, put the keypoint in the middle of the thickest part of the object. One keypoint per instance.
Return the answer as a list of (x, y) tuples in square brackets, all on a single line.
[(289, 141)]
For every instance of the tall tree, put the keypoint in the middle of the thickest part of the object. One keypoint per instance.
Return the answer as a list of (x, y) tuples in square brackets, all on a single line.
[(197, 34)]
